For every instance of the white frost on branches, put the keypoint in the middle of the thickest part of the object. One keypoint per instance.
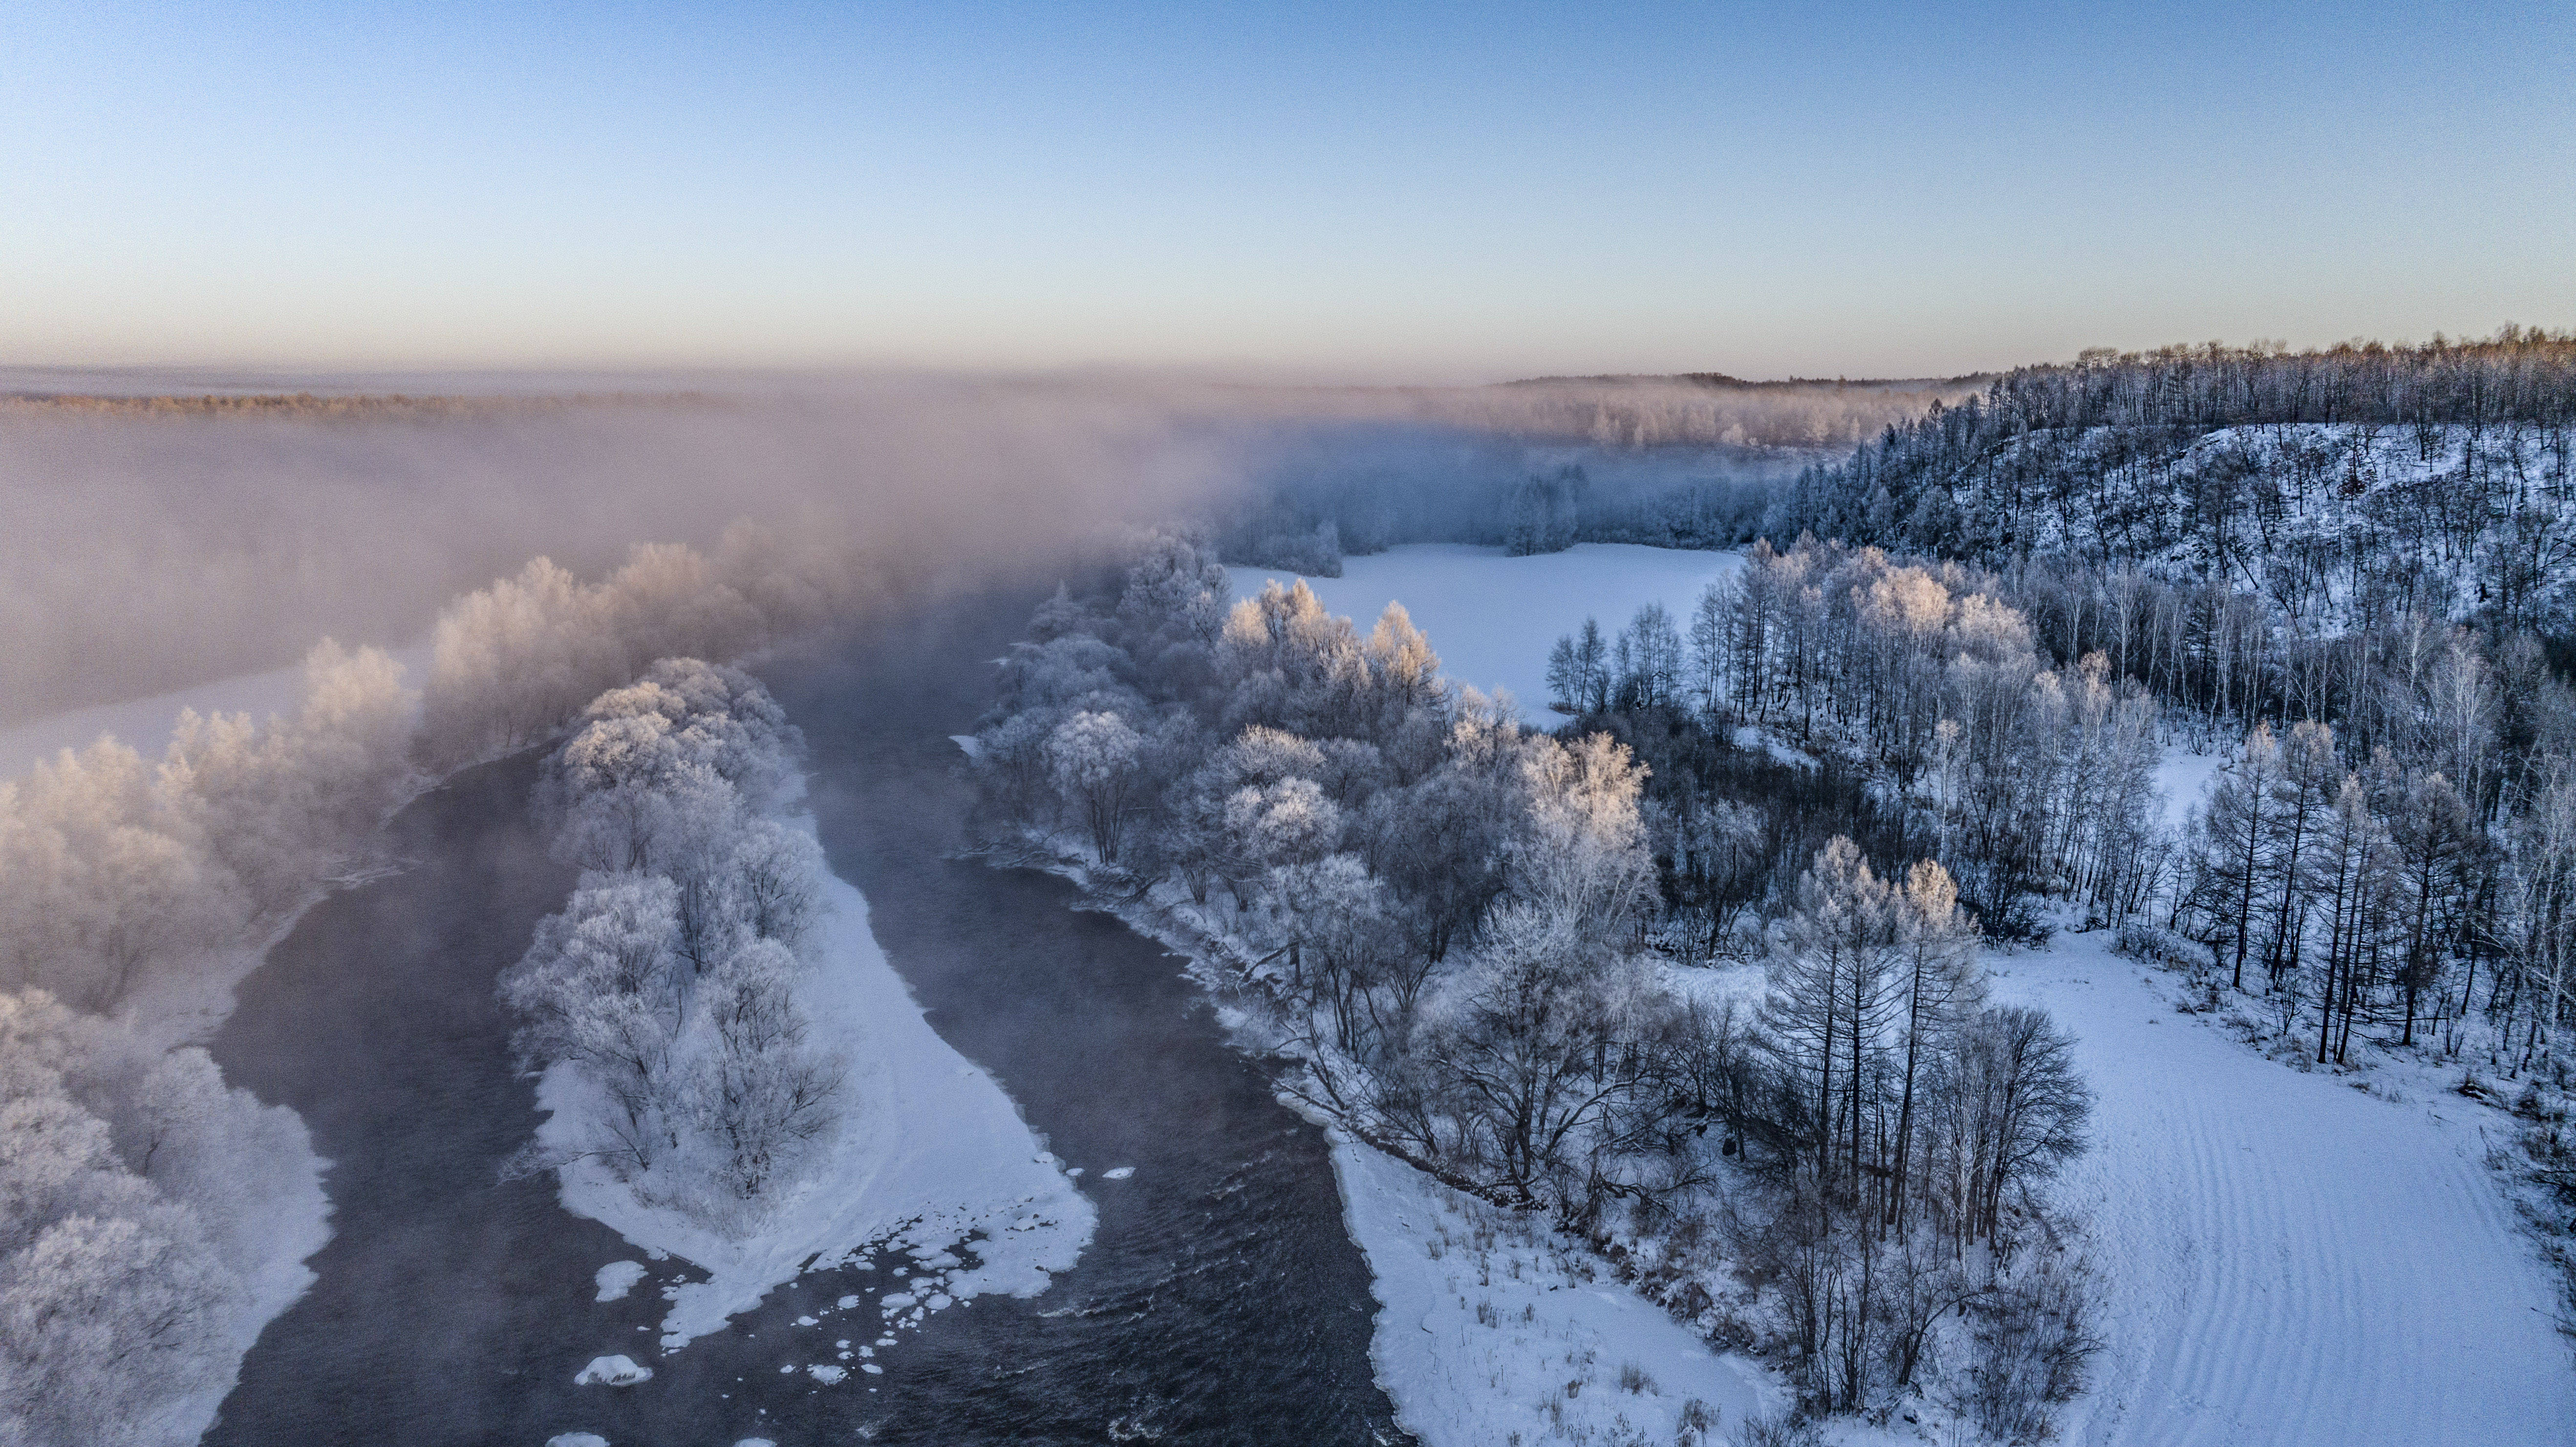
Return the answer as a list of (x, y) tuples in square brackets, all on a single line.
[(669, 980)]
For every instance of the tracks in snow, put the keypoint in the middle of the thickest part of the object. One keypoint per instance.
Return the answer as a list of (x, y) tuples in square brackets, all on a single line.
[(2287, 1260)]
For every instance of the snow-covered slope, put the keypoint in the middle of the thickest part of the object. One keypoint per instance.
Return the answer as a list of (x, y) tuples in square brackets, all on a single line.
[(1492, 617), (2288, 1260), (2317, 517)]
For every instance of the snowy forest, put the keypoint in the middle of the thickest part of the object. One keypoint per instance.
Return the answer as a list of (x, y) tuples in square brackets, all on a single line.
[(2407, 874), (1451, 921), (1940, 706), (2349, 570), (2252, 662)]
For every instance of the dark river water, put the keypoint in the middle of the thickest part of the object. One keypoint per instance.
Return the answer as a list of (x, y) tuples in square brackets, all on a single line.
[(1220, 1300)]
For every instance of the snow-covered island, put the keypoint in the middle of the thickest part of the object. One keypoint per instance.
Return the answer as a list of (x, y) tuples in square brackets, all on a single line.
[(735, 1075)]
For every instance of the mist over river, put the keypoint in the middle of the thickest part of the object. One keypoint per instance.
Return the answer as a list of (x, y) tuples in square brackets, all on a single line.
[(1220, 1299)]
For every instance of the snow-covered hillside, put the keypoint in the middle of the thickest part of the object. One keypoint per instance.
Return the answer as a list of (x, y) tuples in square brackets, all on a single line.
[(2321, 519), (1491, 616)]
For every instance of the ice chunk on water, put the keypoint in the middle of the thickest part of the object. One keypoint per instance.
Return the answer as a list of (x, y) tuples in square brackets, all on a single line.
[(1117, 1173), (618, 1278), (617, 1371)]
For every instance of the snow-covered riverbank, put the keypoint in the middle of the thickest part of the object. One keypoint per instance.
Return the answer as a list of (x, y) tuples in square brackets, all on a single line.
[(1492, 1328), (147, 725)]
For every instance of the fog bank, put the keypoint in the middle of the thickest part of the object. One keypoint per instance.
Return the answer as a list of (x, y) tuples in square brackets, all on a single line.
[(151, 551), (169, 530)]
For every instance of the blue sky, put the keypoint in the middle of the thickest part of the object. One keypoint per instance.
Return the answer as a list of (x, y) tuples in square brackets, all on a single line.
[(1365, 191)]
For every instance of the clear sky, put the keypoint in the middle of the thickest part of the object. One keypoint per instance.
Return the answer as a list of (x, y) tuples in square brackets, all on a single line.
[(1372, 190)]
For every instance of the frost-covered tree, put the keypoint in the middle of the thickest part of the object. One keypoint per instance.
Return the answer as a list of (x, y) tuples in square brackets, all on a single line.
[(138, 1199), (2235, 832), (116, 868), (1939, 986), (2012, 1110), (1582, 859), (1531, 1047), (1093, 759), (1833, 998), (668, 982), (761, 1091)]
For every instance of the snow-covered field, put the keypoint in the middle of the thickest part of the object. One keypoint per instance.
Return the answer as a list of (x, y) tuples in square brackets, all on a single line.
[(146, 724), (2288, 1259), (929, 1152), (1489, 1330), (1492, 617)]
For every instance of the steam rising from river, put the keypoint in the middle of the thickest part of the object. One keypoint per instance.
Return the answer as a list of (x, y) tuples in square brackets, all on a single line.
[(146, 553), (152, 548)]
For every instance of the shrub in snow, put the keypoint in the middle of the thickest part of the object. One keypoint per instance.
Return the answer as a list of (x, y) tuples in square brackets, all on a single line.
[(2035, 1334), (1784, 1431)]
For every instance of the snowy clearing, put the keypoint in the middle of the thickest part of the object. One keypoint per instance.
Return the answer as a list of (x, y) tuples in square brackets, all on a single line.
[(929, 1152), (1490, 1330), (2184, 778), (2287, 1259), (1492, 617)]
